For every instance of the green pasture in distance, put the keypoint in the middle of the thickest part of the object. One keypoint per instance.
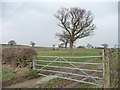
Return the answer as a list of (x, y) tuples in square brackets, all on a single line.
[(65, 52)]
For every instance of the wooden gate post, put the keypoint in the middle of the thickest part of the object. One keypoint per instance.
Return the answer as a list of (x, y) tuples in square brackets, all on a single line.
[(34, 63), (106, 68), (118, 70), (111, 69)]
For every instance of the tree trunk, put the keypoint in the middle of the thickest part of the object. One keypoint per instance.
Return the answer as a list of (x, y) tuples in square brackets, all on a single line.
[(33, 46), (66, 45), (71, 48)]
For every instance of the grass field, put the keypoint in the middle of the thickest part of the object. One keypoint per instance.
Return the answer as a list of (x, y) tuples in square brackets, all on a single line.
[(65, 52)]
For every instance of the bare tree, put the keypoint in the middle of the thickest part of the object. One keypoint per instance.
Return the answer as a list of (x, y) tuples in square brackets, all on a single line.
[(61, 45), (53, 46), (32, 43), (89, 46), (115, 46), (12, 42), (105, 45), (76, 22), (64, 38)]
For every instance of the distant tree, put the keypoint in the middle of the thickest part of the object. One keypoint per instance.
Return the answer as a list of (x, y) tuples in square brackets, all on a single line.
[(115, 46), (64, 38), (12, 42), (61, 45), (77, 22), (32, 43), (80, 47), (89, 46), (99, 47), (105, 45), (53, 46)]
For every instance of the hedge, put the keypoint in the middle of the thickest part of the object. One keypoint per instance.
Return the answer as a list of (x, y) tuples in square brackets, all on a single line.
[(18, 56)]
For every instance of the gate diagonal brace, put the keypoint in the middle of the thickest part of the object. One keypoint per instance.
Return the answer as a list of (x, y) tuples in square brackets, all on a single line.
[(79, 70), (50, 63)]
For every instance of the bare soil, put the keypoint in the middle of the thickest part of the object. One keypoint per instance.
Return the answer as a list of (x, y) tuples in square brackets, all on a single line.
[(26, 84)]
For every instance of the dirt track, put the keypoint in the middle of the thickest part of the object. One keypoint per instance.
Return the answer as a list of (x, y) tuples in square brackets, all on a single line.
[(25, 84)]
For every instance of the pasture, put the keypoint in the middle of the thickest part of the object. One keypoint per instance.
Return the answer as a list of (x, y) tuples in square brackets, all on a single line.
[(47, 51)]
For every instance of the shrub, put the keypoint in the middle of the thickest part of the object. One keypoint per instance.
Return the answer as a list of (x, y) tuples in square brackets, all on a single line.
[(18, 56)]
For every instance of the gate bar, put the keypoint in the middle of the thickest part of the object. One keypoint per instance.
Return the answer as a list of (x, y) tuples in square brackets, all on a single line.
[(69, 62), (70, 74), (73, 56), (71, 68), (80, 81)]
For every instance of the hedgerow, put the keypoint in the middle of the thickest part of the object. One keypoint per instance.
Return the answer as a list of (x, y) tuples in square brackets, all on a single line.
[(21, 57)]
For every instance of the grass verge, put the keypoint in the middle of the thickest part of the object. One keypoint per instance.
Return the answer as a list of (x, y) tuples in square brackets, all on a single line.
[(8, 75)]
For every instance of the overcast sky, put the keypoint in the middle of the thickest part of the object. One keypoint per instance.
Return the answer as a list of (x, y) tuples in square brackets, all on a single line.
[(35, 21)]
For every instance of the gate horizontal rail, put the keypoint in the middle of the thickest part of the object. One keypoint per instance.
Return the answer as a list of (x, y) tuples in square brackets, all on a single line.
[(100, 56), (67, 62), (71, 68), (80, 81), (70, 74)]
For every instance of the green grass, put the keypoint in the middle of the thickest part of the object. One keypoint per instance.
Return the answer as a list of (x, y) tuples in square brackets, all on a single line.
[(8, 75), (65, 52), (31, 73), (0, 75), (87, 86)]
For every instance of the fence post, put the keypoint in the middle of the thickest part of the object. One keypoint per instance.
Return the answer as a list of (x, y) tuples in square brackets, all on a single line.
[(106, 68), (111, 78), (34, 63), (118, 69)]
